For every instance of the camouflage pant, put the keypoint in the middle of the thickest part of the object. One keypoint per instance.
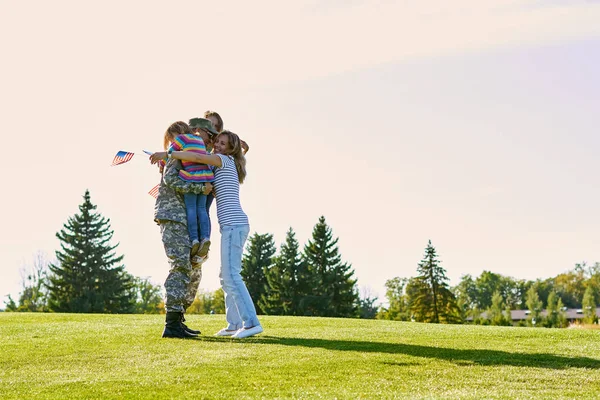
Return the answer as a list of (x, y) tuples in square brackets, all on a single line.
[(177, 248), (195, 279)]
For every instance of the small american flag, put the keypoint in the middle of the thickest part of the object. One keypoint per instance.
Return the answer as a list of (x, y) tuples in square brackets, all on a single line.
[(154, 191), (121, 158)]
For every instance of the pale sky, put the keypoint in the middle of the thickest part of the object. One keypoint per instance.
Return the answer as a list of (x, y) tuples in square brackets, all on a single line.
[(470, 123)]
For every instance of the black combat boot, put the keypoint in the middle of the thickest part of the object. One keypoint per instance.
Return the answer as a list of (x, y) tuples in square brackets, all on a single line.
[(186, 328), (173, 327)]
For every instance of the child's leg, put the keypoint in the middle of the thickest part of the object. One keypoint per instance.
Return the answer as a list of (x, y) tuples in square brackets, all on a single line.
[(204, 224), (209, 199), (203, 221), (190, 200)]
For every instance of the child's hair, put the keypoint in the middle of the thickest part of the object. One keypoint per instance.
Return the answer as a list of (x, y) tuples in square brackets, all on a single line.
[(219, 126), (176, 129), (236, 152)]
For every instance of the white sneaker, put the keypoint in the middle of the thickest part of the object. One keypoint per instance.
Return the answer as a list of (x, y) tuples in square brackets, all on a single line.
[(225, 332), (244, 333)]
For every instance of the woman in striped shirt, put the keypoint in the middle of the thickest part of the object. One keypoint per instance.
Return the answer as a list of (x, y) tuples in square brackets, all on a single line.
[(230, 172)]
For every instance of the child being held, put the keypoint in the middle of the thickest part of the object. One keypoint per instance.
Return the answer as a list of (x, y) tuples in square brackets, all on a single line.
[(179, 137)]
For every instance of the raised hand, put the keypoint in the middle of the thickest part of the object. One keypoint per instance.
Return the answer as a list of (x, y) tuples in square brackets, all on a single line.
[(156, 157)]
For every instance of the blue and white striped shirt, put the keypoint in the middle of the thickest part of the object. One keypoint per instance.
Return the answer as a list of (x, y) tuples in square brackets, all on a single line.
[(227, 192)]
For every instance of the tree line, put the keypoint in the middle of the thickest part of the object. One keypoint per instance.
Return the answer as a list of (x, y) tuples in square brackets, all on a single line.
[(88, 276), (311, 282), (489, 298)]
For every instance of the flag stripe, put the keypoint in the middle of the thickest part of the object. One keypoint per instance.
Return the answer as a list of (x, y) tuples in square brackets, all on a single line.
[(154, 191), (122, 157)]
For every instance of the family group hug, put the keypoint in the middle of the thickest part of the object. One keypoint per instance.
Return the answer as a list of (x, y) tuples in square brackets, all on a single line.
[(201, 163)]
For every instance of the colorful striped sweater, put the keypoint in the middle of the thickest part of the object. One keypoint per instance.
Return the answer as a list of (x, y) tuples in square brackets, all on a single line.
[(192, 172)]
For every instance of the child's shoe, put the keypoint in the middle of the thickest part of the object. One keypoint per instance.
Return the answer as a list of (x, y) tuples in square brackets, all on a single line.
[(204, 247), (195, 247), (197, 261)]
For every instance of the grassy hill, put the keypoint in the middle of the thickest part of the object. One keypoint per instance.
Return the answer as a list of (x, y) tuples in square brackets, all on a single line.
[(62, 356)]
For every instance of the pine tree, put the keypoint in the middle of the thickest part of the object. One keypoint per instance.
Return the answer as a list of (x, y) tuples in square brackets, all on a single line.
[(328, 284), (534, 305), (508, 315), (552, 310), (562, 315), (555, 315), (417, 299), (281, 296), (257, 260), (366, 306), (434, 301), (87, 277), (495, 311), (589, 306)]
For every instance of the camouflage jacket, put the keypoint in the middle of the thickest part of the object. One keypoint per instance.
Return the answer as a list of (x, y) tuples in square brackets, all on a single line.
[(169, 202)]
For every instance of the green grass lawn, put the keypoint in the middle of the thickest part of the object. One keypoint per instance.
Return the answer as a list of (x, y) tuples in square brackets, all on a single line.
[(61, 356)]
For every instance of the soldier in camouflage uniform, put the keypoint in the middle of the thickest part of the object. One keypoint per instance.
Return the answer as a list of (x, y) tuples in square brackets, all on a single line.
[(183, 279)]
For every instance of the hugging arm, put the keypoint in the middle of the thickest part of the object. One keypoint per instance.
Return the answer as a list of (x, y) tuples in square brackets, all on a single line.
[(171, 179), (210, 159)]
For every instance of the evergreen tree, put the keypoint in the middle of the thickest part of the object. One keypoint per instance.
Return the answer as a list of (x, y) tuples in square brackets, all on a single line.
[(434, 302), (562, 315), (589, 306), (416, 293), (476, 314), (495, 311), (87, 277), (256, 262), (367, 308), (508, 315), (282, 296), (366, 305), (328, 283), (552, 310), (555, 315), (534, 305)]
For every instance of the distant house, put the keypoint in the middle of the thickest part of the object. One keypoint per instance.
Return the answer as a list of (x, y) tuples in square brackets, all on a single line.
[(572, 314)]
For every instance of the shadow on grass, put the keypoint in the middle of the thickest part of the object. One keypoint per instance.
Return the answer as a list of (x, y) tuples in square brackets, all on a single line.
[(461, 357)]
